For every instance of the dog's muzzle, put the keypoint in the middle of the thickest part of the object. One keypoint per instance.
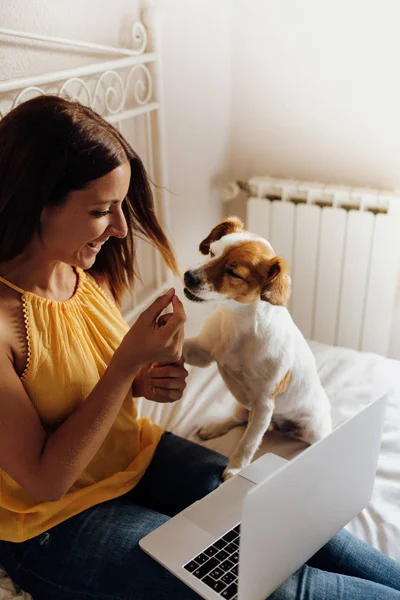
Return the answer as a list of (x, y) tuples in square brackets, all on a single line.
[(192, 281)]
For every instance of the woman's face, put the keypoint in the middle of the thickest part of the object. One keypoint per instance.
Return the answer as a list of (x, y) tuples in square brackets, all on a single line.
[(75, 232)]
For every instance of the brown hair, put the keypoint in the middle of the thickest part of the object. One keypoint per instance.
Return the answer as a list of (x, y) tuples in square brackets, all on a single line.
[(50, 146)]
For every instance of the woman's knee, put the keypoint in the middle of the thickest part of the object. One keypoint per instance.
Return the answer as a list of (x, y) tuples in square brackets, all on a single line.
[(184, 471)]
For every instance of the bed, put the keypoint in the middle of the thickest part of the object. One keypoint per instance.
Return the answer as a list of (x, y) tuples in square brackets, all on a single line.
[(125, 91)]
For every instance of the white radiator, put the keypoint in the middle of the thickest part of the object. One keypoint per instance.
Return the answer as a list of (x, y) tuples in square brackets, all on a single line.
[(342, 247)]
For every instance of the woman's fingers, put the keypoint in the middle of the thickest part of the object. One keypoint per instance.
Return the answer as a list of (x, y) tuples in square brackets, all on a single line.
[(168, 381), (175, 323), (168, 378), (175, 370), (168, 384), (163, 320), (177, 363), (163, 395), (160, 304)]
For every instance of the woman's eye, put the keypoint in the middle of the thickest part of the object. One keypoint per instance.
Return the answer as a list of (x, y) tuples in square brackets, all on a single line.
[(97, 213), (232, 274)]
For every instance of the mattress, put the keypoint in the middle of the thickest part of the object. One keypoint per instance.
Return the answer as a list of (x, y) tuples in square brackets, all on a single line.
[(352, 380)]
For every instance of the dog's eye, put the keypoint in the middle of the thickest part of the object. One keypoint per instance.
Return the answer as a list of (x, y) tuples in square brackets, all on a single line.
[(232, 274), (212, 254)]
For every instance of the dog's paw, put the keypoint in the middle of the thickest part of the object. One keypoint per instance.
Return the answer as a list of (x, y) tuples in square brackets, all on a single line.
[(229, 472), (211, 430), (215, 429)]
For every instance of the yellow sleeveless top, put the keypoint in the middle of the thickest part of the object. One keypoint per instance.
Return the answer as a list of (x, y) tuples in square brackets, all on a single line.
[(69, 347)]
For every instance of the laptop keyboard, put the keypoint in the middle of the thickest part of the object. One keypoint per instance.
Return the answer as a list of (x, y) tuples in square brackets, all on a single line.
[(218, 565)]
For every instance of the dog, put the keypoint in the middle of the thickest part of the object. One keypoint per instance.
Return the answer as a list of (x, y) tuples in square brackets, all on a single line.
[(261, 355)]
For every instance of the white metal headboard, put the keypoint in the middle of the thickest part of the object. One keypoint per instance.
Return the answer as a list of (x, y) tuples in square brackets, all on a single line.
[(126, 90)]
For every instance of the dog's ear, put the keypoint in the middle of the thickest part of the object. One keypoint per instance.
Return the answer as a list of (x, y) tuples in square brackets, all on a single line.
[(230, 225), (277, 287)]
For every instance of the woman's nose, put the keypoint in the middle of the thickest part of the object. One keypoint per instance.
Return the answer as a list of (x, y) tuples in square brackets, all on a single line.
[(118, 227)]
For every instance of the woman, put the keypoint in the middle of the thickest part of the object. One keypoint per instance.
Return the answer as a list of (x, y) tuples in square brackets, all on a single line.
[(81, 478)]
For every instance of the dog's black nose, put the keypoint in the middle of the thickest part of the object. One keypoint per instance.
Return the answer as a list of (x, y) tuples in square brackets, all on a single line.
[(191, 281)]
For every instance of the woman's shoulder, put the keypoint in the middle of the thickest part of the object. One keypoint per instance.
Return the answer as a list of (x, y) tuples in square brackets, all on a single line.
[(12, 328), (10, 301)]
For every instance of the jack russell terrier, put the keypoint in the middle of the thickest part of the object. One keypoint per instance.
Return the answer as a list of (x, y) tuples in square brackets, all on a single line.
[(263, 358)]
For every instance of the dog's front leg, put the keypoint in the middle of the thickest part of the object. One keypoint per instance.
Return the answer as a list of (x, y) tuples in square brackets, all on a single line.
[(259, 421), (195, 353)]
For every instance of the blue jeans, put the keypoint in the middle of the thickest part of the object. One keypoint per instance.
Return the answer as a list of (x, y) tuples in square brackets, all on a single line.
[(95, 555)]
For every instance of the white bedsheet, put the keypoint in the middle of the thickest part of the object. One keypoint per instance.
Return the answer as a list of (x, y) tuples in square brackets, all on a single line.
[(352, 380)]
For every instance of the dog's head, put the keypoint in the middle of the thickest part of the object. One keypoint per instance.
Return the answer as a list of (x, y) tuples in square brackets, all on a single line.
[(240, 266)]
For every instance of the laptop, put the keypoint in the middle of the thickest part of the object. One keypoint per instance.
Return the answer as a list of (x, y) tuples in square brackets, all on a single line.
[(244, 539)]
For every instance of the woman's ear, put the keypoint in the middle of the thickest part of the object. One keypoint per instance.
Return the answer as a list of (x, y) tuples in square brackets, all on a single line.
[(277, 286), (230, 225)]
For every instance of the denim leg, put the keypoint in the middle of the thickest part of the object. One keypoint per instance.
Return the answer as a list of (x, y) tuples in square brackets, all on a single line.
[(180, 473), (94, 556), (351, 556), (309, 583), (346, 568)]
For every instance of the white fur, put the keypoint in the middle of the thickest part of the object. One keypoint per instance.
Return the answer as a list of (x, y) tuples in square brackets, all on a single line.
[(235, 238), (255, 345)]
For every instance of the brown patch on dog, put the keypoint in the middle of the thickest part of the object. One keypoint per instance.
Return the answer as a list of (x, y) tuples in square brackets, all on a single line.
[(247, 272), (277, 287), (282, 385), (230, 225), (288, 427)]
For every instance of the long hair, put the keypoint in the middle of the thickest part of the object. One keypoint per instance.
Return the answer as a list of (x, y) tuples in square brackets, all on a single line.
[(50, 146)]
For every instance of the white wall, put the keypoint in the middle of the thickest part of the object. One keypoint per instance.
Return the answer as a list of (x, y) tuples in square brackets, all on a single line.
[(316, 93), (316, 90), (96, 21), (196, 60)]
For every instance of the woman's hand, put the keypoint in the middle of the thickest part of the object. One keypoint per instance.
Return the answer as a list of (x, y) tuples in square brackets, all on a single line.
[(152, 338), (161, 382)]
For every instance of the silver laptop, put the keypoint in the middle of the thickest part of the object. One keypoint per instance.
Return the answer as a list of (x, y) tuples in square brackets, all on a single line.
[(247, 537)]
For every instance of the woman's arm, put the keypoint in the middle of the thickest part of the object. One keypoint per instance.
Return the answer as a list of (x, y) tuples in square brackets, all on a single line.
[(47, 466)]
